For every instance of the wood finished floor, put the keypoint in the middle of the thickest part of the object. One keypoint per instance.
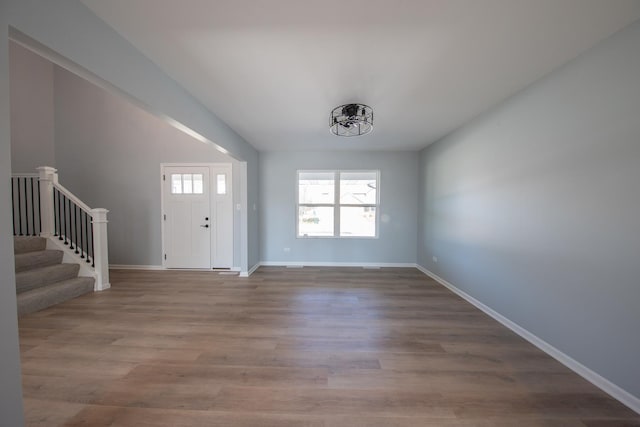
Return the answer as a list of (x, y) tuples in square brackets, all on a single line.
[(321, 347)]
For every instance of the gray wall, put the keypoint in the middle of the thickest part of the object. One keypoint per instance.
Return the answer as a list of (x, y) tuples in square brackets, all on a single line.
[(32, 128), (398, 190), (109, 153), (10, 381), (534, 209)]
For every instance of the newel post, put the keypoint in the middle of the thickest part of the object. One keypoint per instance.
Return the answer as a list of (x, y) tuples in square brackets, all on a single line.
[(100, 248), (47, 177)]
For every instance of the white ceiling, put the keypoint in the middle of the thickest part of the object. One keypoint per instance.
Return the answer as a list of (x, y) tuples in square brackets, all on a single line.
[(274, 69)]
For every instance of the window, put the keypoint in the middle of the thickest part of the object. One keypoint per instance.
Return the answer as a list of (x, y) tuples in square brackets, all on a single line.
[(337, 203), (221, 183), (187, 183)]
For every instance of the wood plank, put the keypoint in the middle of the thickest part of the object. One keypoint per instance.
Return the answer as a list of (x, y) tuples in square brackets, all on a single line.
[(331, 401), (45, 413), (332, 361), (105, 416)]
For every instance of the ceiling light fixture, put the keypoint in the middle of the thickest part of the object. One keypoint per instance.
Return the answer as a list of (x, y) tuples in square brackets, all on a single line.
[(351, 120)]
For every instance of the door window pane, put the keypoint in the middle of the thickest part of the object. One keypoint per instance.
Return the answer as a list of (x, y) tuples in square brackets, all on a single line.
[(221, 183), (198, 183), (315, 221), (187, 184), (176, 183)]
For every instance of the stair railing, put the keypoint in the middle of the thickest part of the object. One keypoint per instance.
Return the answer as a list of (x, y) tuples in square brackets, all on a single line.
[(25, 197), (42, 206)]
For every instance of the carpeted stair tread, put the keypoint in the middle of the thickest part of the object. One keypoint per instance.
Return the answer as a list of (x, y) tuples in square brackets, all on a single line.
[(37, 259), (39, 277), (37, 299), (23, 244)]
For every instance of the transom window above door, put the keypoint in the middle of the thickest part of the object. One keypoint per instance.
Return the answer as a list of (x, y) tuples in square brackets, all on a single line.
[(337, 203), (187, 183)]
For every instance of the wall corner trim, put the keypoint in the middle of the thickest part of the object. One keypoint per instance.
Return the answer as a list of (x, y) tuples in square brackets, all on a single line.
[(596, 379), (251, 270)]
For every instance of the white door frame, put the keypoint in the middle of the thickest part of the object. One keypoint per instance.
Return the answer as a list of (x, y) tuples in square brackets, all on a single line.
[(211, 196)]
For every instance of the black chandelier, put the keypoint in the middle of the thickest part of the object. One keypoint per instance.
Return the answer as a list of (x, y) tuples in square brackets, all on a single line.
[(351, 120)]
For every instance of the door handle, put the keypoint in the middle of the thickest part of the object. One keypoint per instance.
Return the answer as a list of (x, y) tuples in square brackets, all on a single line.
[(205, 226)]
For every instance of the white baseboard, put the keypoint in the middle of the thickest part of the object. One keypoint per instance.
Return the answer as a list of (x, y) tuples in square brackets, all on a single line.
[(134, 267), (596, 379), (300, 264), (336, 264), (159, 267)]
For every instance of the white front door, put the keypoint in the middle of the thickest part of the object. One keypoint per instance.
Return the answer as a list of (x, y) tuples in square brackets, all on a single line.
[(187, 217)]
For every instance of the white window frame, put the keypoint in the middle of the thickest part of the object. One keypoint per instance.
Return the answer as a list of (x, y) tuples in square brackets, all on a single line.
[(336, 205)]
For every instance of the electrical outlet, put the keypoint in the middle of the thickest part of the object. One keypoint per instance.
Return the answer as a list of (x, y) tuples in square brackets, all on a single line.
[(435, 259), (287, 249)]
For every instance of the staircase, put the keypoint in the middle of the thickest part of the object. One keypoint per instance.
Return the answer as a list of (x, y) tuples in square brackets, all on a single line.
[(47, 215), (42, 280)]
